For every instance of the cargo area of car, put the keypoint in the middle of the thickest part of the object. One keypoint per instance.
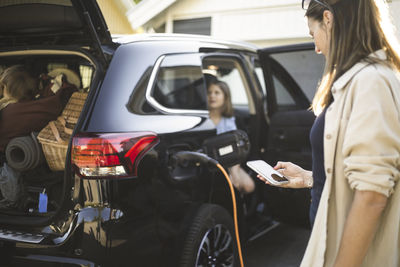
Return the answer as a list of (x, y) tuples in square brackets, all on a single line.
[(38, 160)]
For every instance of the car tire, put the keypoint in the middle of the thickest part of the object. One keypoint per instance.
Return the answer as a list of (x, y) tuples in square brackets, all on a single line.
[(210, 240)]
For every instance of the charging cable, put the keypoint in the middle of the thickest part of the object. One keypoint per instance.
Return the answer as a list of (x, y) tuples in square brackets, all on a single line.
[(196, 156), (234, 212)]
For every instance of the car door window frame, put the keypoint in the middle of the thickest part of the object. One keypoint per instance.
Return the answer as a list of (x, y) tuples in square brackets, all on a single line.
[(236, 59), (151, 85), (291, 86), (274, 68), (244, 75)]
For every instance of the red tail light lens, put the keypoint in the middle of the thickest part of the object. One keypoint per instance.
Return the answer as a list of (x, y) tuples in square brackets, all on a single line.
[(110, 155)]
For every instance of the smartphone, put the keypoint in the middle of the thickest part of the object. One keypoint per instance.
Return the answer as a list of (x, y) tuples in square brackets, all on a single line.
[(268, 172)]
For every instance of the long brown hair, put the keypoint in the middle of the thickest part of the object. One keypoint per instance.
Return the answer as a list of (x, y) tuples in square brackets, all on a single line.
[(360, 27), (227, 108)]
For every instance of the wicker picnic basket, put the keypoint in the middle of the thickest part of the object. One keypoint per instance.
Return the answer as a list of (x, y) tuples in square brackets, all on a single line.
[(54, 138)]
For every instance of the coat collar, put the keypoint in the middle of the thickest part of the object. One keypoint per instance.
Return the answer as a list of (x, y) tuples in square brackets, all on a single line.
[(348, 75)]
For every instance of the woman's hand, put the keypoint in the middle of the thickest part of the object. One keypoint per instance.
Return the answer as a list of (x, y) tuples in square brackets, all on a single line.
[(297, 176)]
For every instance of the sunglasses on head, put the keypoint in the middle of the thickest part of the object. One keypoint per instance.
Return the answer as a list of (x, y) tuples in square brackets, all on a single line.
[(306, 3)]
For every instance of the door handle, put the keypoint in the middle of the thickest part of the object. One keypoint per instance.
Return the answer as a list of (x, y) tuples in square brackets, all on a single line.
[(280, 136)]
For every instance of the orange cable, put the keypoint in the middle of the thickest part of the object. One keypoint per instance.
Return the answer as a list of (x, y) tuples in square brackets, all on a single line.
[(234, 212)]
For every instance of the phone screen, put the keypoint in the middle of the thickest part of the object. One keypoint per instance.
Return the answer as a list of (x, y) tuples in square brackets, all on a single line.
[(268, 172), (278, 178)]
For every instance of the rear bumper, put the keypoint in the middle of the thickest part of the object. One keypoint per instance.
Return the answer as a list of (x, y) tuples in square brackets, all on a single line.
[(45, 260), (96, 236)]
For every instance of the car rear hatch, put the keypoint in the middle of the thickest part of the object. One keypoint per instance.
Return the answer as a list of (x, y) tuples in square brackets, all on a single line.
[(52, 22)]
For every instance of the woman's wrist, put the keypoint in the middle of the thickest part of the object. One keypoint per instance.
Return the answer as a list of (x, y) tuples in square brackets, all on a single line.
[(308, 179)]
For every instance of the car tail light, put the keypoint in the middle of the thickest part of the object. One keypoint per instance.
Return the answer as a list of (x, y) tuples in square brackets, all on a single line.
[(110, 155)]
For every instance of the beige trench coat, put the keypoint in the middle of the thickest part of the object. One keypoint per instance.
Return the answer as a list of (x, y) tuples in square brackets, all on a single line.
[(362, 152)]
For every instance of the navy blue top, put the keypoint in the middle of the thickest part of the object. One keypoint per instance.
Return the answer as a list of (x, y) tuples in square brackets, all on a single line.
[(317, 150)]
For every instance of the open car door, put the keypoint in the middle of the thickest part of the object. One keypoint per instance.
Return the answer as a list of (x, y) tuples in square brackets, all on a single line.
[(291, 76)]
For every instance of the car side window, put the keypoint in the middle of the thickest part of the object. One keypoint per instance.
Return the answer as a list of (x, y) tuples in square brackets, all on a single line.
[(283, 98), (180, 84), (305, 75)]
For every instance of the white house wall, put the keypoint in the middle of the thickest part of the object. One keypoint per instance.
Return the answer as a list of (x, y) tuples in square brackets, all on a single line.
[(395, 10), (262, 22)]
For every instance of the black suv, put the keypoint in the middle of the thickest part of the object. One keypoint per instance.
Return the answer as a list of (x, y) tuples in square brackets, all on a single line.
[(123, 199)]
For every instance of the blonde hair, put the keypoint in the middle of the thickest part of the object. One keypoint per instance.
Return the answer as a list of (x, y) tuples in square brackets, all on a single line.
[(18, 84), (360, 27)]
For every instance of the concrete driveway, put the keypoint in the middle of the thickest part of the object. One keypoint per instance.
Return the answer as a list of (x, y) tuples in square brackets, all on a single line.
[(282, 246)]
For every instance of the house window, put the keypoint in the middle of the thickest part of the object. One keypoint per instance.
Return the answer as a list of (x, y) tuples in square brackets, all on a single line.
[(193, 26)]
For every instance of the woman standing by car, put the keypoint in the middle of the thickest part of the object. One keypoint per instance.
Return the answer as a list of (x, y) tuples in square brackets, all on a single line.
[(355, 138)]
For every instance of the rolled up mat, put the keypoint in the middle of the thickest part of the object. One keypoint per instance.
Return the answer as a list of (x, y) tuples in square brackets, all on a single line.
[(24, 153)]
